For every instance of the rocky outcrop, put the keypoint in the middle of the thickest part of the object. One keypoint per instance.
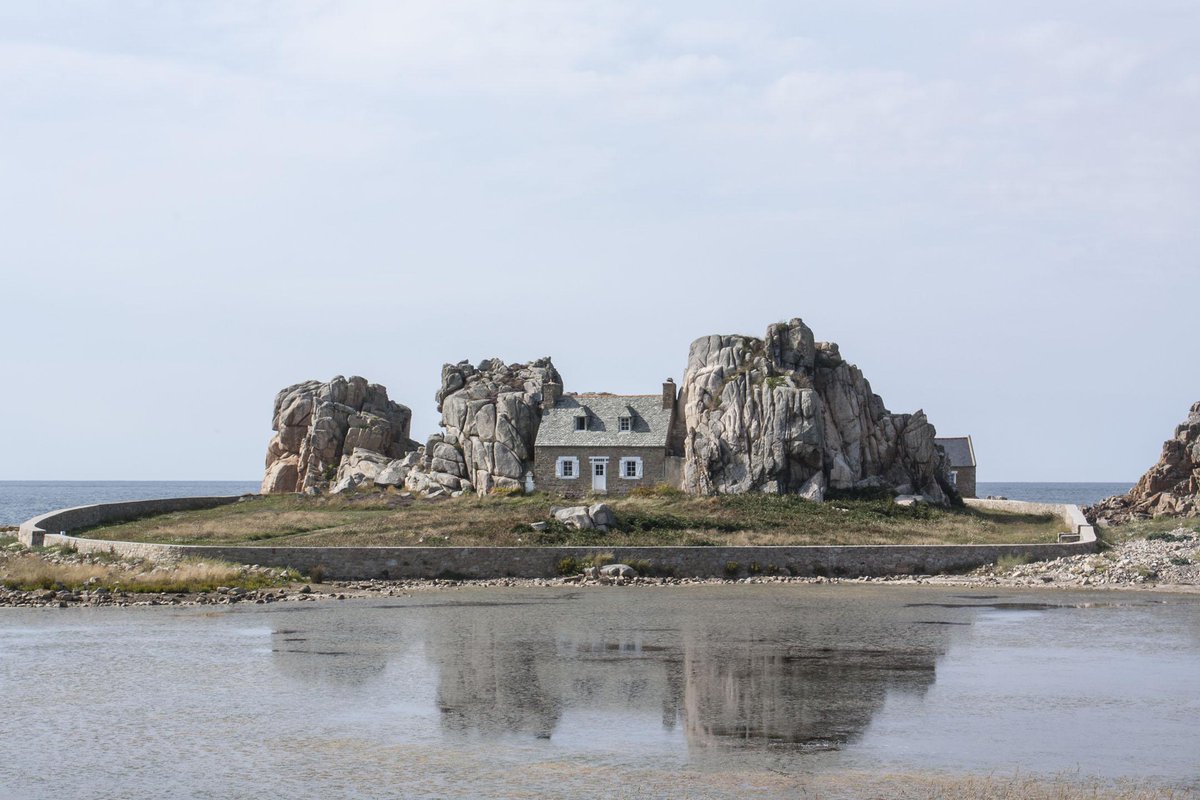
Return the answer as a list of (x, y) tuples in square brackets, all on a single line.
[(491, 415), (787, 414), (1170, 489), (326, 431)]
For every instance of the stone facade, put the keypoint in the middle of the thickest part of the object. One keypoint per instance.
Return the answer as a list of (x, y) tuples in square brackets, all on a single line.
[(625, 433), (960, 463), (964, 480), (545, 460)]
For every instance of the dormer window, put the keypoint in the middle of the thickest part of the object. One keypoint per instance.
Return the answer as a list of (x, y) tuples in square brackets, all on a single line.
[(624, 424), (581, 423)]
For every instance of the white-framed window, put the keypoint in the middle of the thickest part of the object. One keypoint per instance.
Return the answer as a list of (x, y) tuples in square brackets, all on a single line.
[(566, 467), (624, 424), (631, 468), (954, 477), (581, 423)]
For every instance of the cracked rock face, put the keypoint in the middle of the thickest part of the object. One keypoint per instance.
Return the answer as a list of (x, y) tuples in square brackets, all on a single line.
[(1171, 488), (318, 425), (490, 413), (787, 414)]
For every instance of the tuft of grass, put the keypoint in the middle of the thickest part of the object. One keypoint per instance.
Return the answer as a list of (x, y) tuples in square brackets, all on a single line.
[(1006, 563)]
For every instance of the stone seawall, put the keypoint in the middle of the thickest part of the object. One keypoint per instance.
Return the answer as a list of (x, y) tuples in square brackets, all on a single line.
[(539, 562), (33, 532)]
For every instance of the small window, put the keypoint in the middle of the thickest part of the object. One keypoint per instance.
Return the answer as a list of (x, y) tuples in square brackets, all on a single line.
[(567, 467), (631, 468), (581, 423), (624, 423), (953, 477)]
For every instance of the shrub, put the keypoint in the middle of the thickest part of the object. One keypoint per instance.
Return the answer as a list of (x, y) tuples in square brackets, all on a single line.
[(507, 491), (1163, 536), (316, 574), (732, 569), (569, 566)]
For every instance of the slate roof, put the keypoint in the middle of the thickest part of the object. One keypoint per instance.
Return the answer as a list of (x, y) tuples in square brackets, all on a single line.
[(959, 450), (650, 421)]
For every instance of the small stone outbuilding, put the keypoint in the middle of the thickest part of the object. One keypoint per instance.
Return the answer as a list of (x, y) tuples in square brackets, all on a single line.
[(606, 443), (960, 458)]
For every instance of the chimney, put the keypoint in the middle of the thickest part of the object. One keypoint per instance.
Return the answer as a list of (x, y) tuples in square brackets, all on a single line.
[(668, 396)]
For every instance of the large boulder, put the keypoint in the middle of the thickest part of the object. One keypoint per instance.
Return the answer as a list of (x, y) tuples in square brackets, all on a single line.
[(327, 431), (1171, 488), (490, 416), (787, 414)]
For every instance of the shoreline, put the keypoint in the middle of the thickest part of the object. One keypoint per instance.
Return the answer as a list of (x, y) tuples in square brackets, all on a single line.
[(379, 589)]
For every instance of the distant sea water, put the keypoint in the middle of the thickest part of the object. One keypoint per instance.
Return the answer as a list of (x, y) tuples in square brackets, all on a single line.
[(21, 500), (1081, 494)]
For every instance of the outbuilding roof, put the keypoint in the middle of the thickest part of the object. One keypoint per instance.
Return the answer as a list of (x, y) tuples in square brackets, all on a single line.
[(649, 422), (959, 450)]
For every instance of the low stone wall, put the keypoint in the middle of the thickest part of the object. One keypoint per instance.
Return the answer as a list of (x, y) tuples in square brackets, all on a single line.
[(33, 532), (1072, 516), (540, 562)]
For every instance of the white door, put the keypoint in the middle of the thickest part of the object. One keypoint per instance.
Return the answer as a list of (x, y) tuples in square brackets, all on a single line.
[(600, 476)]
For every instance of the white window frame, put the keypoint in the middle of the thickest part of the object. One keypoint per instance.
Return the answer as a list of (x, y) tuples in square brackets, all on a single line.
[(637, 461), (954, 477), (558, 467), (624, 424), (584, 418)]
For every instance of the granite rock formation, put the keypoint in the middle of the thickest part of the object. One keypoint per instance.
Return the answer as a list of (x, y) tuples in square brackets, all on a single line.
[(491, 415), (787, 414), (323, 428), (1171, 488)]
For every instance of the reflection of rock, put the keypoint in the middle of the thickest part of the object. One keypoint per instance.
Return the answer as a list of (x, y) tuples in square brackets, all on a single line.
[(820, 698), (750, 687), (324, 658), (489, 690)]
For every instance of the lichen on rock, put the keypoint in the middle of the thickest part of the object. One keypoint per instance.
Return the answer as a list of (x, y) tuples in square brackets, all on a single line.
[(323, 430), (787, 414), (1171, 488), (490, 416)]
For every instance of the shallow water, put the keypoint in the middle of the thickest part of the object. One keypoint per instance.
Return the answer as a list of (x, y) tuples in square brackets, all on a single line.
[(706, 691)]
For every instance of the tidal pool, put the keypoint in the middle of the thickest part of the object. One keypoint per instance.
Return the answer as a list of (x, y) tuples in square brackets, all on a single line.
[(725, 691)]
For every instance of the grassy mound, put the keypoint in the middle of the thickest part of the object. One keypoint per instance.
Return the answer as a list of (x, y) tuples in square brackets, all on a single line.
[(660, 517)]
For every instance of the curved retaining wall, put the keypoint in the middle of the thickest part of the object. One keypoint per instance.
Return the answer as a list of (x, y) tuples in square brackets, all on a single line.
[(350, 563), (34, 531)]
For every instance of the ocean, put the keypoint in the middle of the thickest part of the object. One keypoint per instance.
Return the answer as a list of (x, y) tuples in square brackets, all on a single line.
[(21, 500)]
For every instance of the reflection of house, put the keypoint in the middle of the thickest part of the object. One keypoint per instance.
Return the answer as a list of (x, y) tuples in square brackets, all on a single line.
[(606, 443), (960, 457)]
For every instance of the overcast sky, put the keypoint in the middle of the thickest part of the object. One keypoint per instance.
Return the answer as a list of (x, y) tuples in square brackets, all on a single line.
[(992, 207)]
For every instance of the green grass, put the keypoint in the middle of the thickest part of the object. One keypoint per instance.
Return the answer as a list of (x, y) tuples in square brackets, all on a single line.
[(6, 540), (655, 517), (1152, 529)]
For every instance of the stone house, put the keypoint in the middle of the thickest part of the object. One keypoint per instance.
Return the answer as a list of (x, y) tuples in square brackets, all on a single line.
[(960, 458), (606, 444)]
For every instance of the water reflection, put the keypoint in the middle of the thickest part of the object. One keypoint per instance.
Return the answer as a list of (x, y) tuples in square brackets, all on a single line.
[(787, 683), (327, 657), (770, 694)]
